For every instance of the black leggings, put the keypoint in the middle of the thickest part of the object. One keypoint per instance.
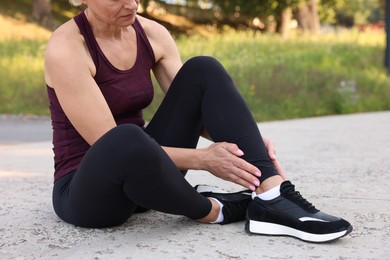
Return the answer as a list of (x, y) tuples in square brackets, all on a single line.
[(127, 166)]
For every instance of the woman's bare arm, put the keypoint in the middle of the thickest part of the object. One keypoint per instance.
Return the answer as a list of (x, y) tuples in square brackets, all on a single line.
[(69, 70)]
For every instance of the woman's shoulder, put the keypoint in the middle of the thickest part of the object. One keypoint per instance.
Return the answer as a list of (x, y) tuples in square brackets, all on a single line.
[(65, 50), (148, 24), (153, 29), (67, 33), (65, 37)]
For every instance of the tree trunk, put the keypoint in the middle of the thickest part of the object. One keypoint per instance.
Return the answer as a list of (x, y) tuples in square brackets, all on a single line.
[(285, 19), (314, 19), (303, 17), (145, 4), (307, 17), (41, 12), (270, 24)]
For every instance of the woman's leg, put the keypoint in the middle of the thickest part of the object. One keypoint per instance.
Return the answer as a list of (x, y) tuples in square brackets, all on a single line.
[(123, 169), (203, 95)]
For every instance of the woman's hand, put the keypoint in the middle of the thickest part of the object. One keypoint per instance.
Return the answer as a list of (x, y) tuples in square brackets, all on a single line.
[(272, 154), (223, 160)]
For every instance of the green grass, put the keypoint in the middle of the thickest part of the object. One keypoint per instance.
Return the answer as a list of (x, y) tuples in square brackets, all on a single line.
[(304, 76), (280, 79), (21, 70)]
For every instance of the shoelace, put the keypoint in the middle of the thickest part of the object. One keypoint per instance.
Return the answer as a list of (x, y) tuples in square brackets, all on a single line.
[(297, 197)]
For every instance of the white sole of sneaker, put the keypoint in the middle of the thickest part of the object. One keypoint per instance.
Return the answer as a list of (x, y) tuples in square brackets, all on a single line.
[(265, 228), (207, 188)]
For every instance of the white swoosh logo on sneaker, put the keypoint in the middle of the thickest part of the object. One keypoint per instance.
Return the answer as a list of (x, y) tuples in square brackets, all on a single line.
[(303, 219)]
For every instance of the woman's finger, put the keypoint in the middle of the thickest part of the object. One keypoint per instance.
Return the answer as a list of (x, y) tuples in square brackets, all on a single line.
[(236, 178), (270, 148), (247, 171), (279, 169), (233, 148)]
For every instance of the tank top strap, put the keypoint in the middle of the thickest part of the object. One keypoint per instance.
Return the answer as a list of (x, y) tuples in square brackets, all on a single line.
[(144, 47), (142, 35), (86, 31)]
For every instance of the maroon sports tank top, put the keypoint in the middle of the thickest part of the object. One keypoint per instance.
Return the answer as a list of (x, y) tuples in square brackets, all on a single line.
[(127, 93)]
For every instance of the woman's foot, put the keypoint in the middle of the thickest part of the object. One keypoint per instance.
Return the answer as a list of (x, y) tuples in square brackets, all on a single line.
[(291, 215), (234, 205)]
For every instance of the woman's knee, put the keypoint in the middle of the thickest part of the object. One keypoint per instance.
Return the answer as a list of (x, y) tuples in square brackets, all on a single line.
[(127, 138), (207, 71), (127, 131), (203, 65)]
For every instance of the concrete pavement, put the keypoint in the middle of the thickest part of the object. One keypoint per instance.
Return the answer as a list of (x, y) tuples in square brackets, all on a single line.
[(339, 163)]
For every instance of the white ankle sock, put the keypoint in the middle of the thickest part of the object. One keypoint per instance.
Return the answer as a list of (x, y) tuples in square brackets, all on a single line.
[(220, 215), (270, 194)]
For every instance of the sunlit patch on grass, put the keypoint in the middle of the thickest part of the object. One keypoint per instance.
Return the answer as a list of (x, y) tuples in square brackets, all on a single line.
[(13, 29)]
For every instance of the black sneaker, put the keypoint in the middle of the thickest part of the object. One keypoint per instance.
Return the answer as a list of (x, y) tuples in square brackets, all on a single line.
[(234, 204), (292, 215)]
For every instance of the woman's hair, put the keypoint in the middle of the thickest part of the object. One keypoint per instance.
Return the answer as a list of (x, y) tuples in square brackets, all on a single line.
[(75, 2)]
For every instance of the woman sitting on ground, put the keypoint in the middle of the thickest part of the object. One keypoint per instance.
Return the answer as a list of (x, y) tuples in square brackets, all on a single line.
[(109, 165)]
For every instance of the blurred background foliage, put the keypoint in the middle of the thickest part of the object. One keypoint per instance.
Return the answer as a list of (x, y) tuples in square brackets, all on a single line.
[(289, 58)]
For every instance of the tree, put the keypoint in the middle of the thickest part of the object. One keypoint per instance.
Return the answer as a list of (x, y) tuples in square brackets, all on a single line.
[(350, 13), (42, 13), (281, 10), (306, 14)]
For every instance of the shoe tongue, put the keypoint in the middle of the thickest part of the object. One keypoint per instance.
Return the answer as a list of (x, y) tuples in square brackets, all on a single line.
[(286, 185)]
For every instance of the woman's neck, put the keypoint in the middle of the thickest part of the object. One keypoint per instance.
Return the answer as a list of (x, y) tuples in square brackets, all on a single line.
[(103, 29)]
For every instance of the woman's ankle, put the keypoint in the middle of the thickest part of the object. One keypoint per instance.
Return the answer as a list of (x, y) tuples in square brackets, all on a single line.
[(269, 183), (214, 213)]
